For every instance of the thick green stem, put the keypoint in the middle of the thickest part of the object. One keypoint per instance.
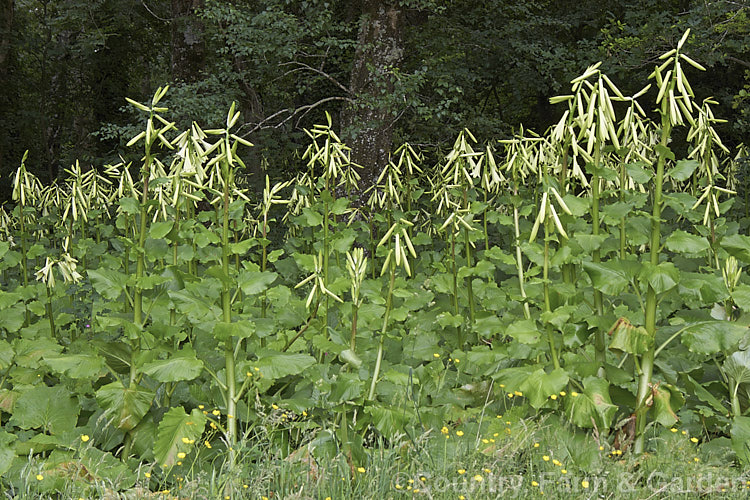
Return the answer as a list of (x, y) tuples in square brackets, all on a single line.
[(519, 257), (226, 305), (379, 359), (547, 306), (600, 346), (469, 264), (647, 359)]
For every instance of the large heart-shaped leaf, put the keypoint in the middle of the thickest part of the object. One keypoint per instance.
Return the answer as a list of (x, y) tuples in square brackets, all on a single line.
[(737, 366), (593, 407), (177, 433), (277, 364), (681, 241), (125, 406), (49, 408), (86, 366), (181, 365), (710, 337), (741, 438), (607, 277), (540, 385), (107, 282)]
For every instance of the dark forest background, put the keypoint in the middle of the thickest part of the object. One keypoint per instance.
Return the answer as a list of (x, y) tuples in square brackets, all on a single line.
[(386, 71)]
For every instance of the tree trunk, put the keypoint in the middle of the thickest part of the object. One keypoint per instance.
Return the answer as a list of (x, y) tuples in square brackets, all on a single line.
[(369, 121), (188, 46)]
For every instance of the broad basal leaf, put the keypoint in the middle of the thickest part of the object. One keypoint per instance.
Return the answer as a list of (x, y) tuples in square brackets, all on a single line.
[(49, 408), (277, 364), (737, 366), (390, 421), (524, 331), (710, 337), (741, 438), (737, 245), (87, 366), (683, 242), (625, 337), (540, 385), (667, 400), (254, 282), (607, 277), (124, 406), (108, 282), (177, 433), (661, 277), (181, 365), (593, 407)]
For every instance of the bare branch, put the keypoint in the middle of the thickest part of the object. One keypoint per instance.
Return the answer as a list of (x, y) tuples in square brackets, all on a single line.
[(293, 112), (301, 66)]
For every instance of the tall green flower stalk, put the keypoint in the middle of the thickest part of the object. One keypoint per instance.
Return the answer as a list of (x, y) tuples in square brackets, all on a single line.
[(593, 115), (675, 106), (397, 257), (26, 189), (153, 134), (518, 164), (224, 163), (548, 214), (462, 167)]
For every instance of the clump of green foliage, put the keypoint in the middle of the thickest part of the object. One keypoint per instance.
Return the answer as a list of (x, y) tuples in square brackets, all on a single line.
[(585, 283)]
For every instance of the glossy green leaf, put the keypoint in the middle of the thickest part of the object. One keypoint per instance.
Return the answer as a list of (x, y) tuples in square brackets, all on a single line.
[(682, 170), (124, 406), (181, 365), (255, 282), (178, 432), (109, 283), (737, 366), (593, 407), (52, 409), (82, 366), (275, 365), (680, 241), (607, 277), (540, 385), (710, 337)]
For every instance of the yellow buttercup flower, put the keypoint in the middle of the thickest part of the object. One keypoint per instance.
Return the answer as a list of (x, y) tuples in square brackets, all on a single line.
[(478, 478), (459, 433), (85, 438), (361, 470), (181, 454), (585, 483), (216, 413), (39, 477), (545, 458), (445, 430), (462, 471)]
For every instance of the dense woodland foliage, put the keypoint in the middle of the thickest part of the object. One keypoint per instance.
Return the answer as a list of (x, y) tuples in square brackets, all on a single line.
[(388, 72), (288, 299)]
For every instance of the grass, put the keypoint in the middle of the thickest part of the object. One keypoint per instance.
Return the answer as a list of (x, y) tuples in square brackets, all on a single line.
[(499, 457)]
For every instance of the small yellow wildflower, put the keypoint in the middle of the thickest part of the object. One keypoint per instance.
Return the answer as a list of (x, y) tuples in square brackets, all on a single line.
[(416, 490), (462, 471), (249, 374), (545, 458), (534, 484), (200, 407), (673, 429), (208, 444), (564, 471), (459, 433), (487, 471), (696, 459), (694, 439), (436, 355), (422, 478), (398, 486), (601, 448), (39, 477), (585, 484), (574, 394), (456, 360), (186, 440), (181, 454), (213, 425), (328, 498), (275, 406), (684, 433), (502, 385), (461, 497), (304, 413), (563, 393), (553, 397), (148, 475), (478, 478), (536, 445), (485, 441), (518, 393), (361, 470), (216, 413), (445, 430), (179, 463), (556, 462), (510, 394)]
